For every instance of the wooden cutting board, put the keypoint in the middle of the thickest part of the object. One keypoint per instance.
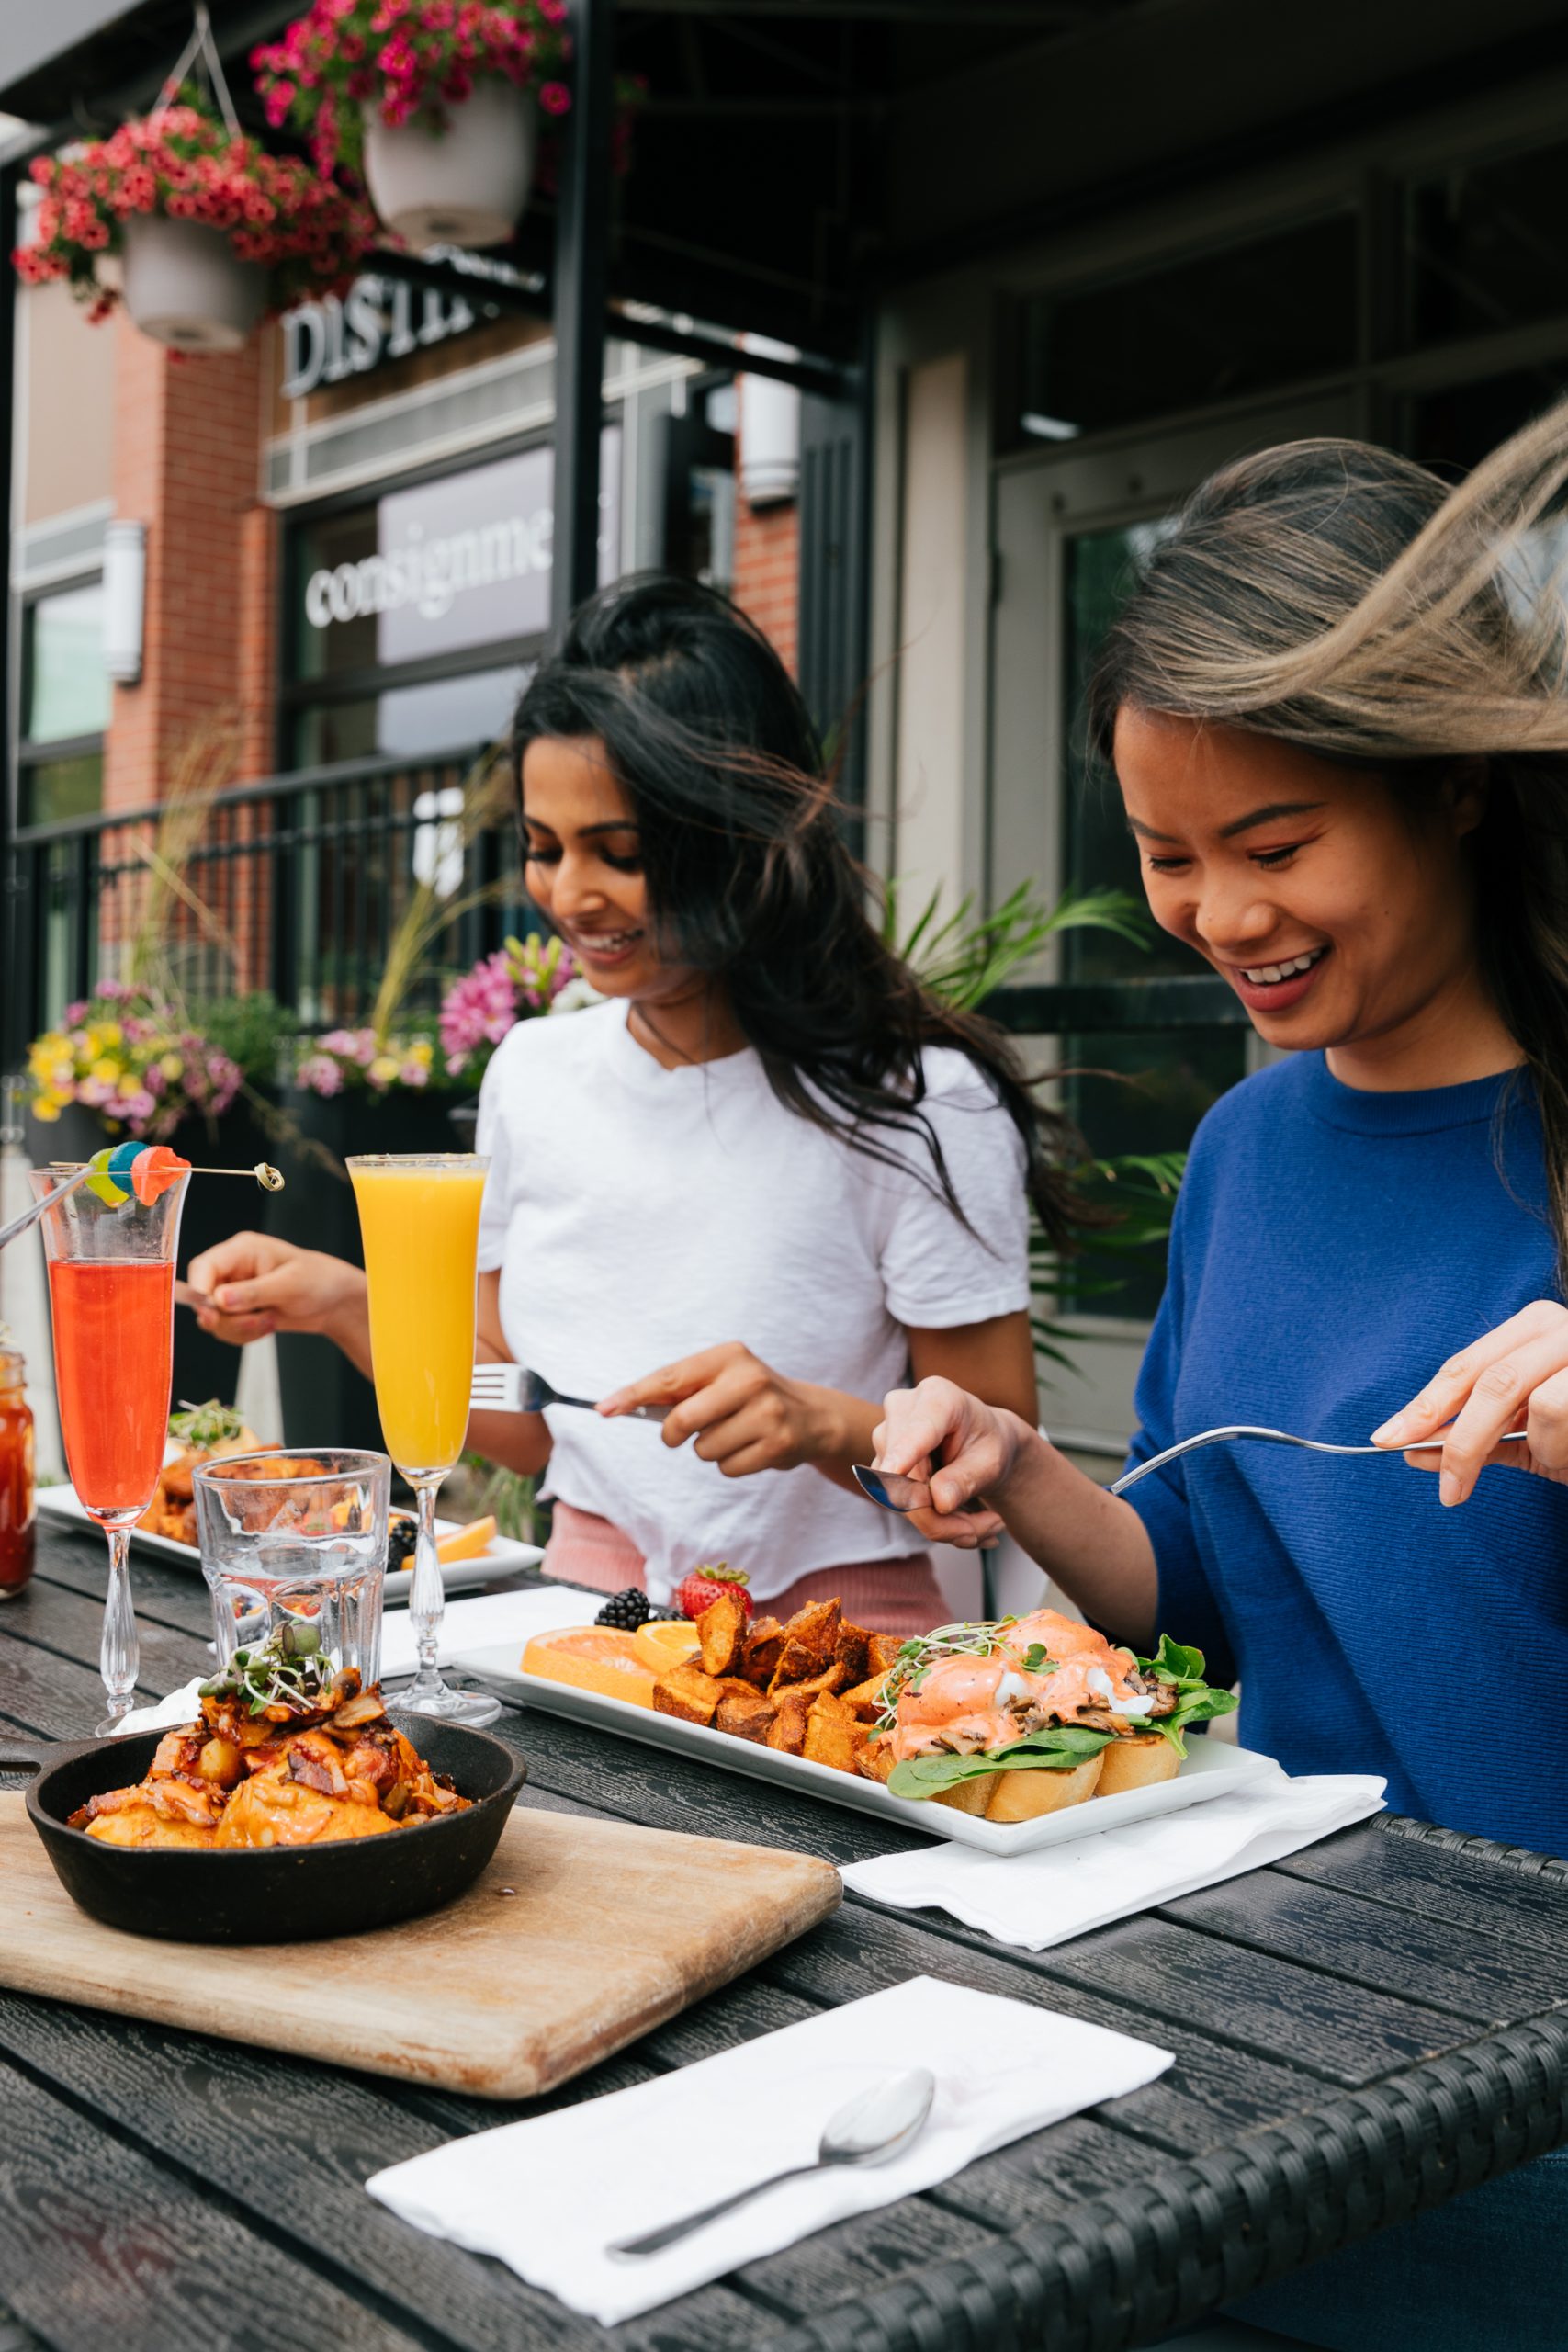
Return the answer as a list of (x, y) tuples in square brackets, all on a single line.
[(580, 1936)]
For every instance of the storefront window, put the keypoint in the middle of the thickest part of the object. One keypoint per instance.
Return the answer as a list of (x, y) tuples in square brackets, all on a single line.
[(1210, 328), (1128, 1091), (1485, 247), (66, 704), (396, 604)]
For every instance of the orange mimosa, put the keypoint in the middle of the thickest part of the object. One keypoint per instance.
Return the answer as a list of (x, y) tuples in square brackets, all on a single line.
[(419, 1218), (420, 1223)]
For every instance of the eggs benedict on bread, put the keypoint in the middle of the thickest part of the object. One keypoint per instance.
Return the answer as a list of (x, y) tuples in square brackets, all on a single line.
[(1027, 1714)]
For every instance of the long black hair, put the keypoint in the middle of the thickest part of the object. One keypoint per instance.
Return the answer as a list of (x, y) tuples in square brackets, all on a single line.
[(749, 879), (1341, 598)]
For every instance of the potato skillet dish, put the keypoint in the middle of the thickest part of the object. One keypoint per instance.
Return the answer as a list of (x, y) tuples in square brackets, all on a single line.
[(286, 1753)]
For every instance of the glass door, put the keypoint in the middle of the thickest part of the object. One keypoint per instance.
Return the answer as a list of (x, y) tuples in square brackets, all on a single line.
[(1070, 531)]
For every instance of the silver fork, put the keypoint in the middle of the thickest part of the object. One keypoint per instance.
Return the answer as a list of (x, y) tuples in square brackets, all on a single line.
[(896, 1493), (1277, 1437), (513, 1388)]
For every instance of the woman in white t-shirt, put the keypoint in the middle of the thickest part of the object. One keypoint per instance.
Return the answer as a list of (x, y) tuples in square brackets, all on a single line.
[(768, 1179)]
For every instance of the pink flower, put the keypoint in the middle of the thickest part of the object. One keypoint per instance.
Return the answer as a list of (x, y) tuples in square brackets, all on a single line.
[(320, 1074), (555, 97)]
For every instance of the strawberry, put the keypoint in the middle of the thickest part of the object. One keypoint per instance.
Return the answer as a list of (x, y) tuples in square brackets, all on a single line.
[(705, 1586)]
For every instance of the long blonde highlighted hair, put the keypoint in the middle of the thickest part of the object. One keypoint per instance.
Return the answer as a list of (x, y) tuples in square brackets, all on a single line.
[(1336, 597)]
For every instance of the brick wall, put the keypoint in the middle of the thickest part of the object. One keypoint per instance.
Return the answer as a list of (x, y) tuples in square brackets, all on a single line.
[(767, 569), (185, 457)]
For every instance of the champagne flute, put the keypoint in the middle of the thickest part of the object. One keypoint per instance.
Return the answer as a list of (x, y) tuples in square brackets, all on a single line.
[(419, 1219), (111, 1298)]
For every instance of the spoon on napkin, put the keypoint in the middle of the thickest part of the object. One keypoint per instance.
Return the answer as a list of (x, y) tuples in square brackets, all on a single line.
[(870, 2129)]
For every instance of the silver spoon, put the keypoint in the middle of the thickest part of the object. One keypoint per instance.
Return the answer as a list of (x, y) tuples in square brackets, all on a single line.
[(870, 2129), (894, 1493)]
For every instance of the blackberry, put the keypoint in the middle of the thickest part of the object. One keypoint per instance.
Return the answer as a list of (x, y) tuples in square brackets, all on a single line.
[(400, 1541), (627, 1609)]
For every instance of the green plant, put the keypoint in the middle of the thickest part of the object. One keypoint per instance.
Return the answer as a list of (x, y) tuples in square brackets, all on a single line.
[(1144, 1185), (965, 958), (246, 1028), (512, 1497)]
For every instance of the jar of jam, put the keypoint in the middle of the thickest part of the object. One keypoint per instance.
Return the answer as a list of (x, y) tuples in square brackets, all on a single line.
[(17, 1516)]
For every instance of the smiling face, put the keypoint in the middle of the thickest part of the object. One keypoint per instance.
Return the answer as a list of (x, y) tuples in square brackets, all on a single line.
[(1340, 921), (584, 870)]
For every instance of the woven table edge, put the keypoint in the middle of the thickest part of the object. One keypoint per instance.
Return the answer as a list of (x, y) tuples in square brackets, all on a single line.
[(1480, 1850), (1127, 2267)]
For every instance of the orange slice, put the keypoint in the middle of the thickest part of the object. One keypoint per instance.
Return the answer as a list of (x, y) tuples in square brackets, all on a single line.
[(468, 1542), (591, 1658), (665, 1641)]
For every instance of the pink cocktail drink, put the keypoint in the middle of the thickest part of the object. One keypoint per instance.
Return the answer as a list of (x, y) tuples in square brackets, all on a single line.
[(113, 1354), (111, 1296)]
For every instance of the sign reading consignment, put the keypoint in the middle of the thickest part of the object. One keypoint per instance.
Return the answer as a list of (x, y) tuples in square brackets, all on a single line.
[(463, 561)]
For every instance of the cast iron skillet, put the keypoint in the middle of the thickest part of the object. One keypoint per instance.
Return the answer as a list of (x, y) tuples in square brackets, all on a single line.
[(281, 1895)]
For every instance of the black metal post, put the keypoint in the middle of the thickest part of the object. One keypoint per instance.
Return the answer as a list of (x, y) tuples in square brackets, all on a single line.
[(13, 1043), (581, 283)]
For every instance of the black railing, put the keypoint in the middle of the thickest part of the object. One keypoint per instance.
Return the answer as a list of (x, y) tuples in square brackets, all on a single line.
[(296, 885)]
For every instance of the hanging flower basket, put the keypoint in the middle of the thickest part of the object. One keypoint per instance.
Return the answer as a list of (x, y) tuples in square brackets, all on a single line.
[(466, 187), (443, 107), (211, 230)]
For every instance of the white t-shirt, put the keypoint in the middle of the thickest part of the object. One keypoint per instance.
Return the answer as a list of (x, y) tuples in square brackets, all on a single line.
[(640, 1213)]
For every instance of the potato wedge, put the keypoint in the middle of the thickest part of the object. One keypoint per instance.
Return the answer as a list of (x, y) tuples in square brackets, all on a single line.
[(875, 1761), (830, 1735), (689, 1694), (865, 1700), (760, 1651), (853, 1648), (809, 1639), (721, 1631), (882, 1652), (746, 1714), (788, 1730)]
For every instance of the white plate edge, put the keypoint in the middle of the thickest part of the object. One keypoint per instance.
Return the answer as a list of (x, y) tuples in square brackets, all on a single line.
[(495, 1662)]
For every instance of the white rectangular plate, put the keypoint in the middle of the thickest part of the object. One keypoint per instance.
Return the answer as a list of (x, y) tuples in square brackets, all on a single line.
[(502, 1558), (1212, 1769)]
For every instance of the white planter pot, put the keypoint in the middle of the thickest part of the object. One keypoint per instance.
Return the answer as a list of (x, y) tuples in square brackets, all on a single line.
[(186, 286), (464, 185)]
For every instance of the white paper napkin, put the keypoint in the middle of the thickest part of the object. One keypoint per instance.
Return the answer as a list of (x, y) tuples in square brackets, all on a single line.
[(547, 2197), (466, 1625), (1047, 1897)]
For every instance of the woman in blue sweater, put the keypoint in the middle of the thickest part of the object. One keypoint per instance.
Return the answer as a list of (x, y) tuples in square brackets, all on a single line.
[(1334, 711)]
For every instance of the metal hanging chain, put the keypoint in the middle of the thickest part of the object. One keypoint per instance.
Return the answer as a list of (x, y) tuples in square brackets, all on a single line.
[(200, 45)]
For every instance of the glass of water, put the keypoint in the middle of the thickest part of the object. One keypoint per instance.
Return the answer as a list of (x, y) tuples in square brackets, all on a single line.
[(296, 1537)]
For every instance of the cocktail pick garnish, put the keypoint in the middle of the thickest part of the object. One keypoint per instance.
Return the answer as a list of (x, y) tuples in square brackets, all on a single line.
[(114, 1174)]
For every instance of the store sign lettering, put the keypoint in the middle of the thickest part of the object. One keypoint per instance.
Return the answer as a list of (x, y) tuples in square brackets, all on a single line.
[(463, 559), (430, 574), (328, 340)]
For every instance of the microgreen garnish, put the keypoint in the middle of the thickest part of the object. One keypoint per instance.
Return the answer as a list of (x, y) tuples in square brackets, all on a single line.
[(286, 1671), (208, 1424), (916, 1658)]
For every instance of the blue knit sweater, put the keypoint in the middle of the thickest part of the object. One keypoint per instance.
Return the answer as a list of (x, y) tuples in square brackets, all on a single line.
[(1331, 1249)]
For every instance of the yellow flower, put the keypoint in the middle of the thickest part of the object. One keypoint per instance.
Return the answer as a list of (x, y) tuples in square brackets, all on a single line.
[(108, 1068), (45, 1107), (60, 1076), (423, 1052), (171, 1065), (47, 1050), (383, 1070), (110, 1032)]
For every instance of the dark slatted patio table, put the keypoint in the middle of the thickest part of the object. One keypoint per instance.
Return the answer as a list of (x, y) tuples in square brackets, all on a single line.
[(1359, 2032)]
